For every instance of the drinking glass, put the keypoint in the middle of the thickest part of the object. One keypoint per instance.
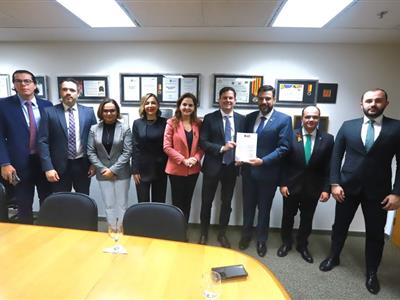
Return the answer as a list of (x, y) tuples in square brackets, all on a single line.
[(211, 285), (115, 232)]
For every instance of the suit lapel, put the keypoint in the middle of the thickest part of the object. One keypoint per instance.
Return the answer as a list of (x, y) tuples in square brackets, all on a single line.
[(182, 135), (357, 132), (81, 114), (220, 125), (299, 145), (61, 117), (19, 113)]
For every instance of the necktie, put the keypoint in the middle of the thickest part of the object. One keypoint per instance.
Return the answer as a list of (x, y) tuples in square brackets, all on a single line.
[(307, 148), (32, 127), (261, 125), (71, 135), (369, 140), (228, 155)]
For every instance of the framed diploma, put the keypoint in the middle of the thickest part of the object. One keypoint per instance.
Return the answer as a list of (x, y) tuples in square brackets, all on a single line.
[(246, 146), (327, 93), (167, 88), (5, 89), (246, 87), (92, 88), (42, 85), (296, 93)]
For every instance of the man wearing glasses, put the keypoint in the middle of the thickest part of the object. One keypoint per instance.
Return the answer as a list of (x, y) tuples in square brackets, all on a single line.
[(20, 164)]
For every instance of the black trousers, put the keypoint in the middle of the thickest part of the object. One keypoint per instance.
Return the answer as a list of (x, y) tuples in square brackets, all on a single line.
[(24, 191), (304, 203), (75, 176), (182, 188), (375, 220), (227, 177), (158, 189)]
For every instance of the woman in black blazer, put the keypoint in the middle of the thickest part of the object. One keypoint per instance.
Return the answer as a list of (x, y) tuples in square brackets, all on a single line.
[(148, 157)]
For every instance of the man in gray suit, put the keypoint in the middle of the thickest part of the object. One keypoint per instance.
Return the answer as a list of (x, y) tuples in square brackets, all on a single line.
[(62, 141)]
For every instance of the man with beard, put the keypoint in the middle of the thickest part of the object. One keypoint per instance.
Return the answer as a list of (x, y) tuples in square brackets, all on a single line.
[(62, 141), (365, 178), (261, 175)]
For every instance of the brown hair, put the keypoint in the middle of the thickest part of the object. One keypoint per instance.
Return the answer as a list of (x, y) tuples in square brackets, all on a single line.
[(100, 110), (178, 114)]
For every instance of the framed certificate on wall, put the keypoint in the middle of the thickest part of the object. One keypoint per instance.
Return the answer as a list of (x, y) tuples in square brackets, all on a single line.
[(92, 88), (296, 92)]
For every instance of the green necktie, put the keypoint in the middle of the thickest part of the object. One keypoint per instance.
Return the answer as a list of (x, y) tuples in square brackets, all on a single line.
[(307, 148), (370, 138)]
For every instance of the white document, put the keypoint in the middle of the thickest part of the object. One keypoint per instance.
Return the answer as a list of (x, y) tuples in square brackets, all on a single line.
[(246, 146)]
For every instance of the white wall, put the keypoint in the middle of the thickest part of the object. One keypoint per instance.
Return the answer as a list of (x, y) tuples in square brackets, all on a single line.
[(354, 67)]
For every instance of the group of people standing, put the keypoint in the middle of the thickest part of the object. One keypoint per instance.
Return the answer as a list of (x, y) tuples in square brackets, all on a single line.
[(57, 148)]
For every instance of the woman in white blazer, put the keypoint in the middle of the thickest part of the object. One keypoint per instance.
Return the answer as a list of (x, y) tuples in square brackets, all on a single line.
[(109, 150)]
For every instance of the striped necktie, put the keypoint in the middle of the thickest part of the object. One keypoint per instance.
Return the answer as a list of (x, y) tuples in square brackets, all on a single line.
[(71, 135)]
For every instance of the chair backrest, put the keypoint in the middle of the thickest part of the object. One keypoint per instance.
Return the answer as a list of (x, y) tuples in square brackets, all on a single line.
[(69, 210), (3, 204), (157, 220)]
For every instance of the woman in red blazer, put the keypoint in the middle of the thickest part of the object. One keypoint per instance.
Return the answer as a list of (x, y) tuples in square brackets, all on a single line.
[(181, 144)]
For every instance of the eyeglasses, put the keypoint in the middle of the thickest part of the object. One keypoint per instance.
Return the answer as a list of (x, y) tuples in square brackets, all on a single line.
[(109, 111), (23, 81)]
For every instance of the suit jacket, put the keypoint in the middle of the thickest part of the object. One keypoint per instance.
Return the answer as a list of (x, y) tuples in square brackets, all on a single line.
[(311, 178), (53, 136), (273, 143), (14, 132), (119, 157), (368, 171), (212, 138), (176, 147), (148, 157)]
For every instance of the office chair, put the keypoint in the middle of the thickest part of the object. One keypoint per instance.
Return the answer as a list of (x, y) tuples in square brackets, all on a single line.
[(69, 210), (157, 220)]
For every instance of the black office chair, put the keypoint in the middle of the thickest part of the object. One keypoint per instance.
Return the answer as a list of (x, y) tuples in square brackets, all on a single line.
[(3, 204), (157, 220), (69, 210)]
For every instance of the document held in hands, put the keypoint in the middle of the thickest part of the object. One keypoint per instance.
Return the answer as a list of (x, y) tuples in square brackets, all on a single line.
[(246, 146)]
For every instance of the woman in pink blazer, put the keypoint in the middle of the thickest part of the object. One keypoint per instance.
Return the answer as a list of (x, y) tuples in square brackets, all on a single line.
[(181, 144)]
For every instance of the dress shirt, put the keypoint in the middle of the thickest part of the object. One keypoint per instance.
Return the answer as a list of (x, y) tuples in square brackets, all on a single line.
[(377, 127), (258, 120), (313, 136), (79, 150), (35, 108)]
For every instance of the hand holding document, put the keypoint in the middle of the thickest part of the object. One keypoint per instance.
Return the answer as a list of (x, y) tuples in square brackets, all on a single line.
[(246, 146)]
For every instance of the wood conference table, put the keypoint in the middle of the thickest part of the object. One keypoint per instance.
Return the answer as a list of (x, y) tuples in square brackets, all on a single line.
[(39, 262)]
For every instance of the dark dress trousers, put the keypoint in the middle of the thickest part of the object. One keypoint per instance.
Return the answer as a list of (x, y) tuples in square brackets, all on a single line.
[(260, 183), (53, 148), (212, 138), (14, 150), (305, 182), (149, 159), (366, 178)]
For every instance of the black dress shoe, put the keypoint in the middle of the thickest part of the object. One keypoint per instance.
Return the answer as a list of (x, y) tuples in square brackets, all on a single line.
[(305, 254), (261, 249), (223, 240), (372, 283), (244, 243), (203, 239), (329, 263), (283, 250)]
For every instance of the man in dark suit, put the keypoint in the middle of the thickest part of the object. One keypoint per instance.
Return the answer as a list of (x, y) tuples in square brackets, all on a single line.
[(62, 141), (217, 139), (261, 175), (20, 164), (365, 177), (304, 180)]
